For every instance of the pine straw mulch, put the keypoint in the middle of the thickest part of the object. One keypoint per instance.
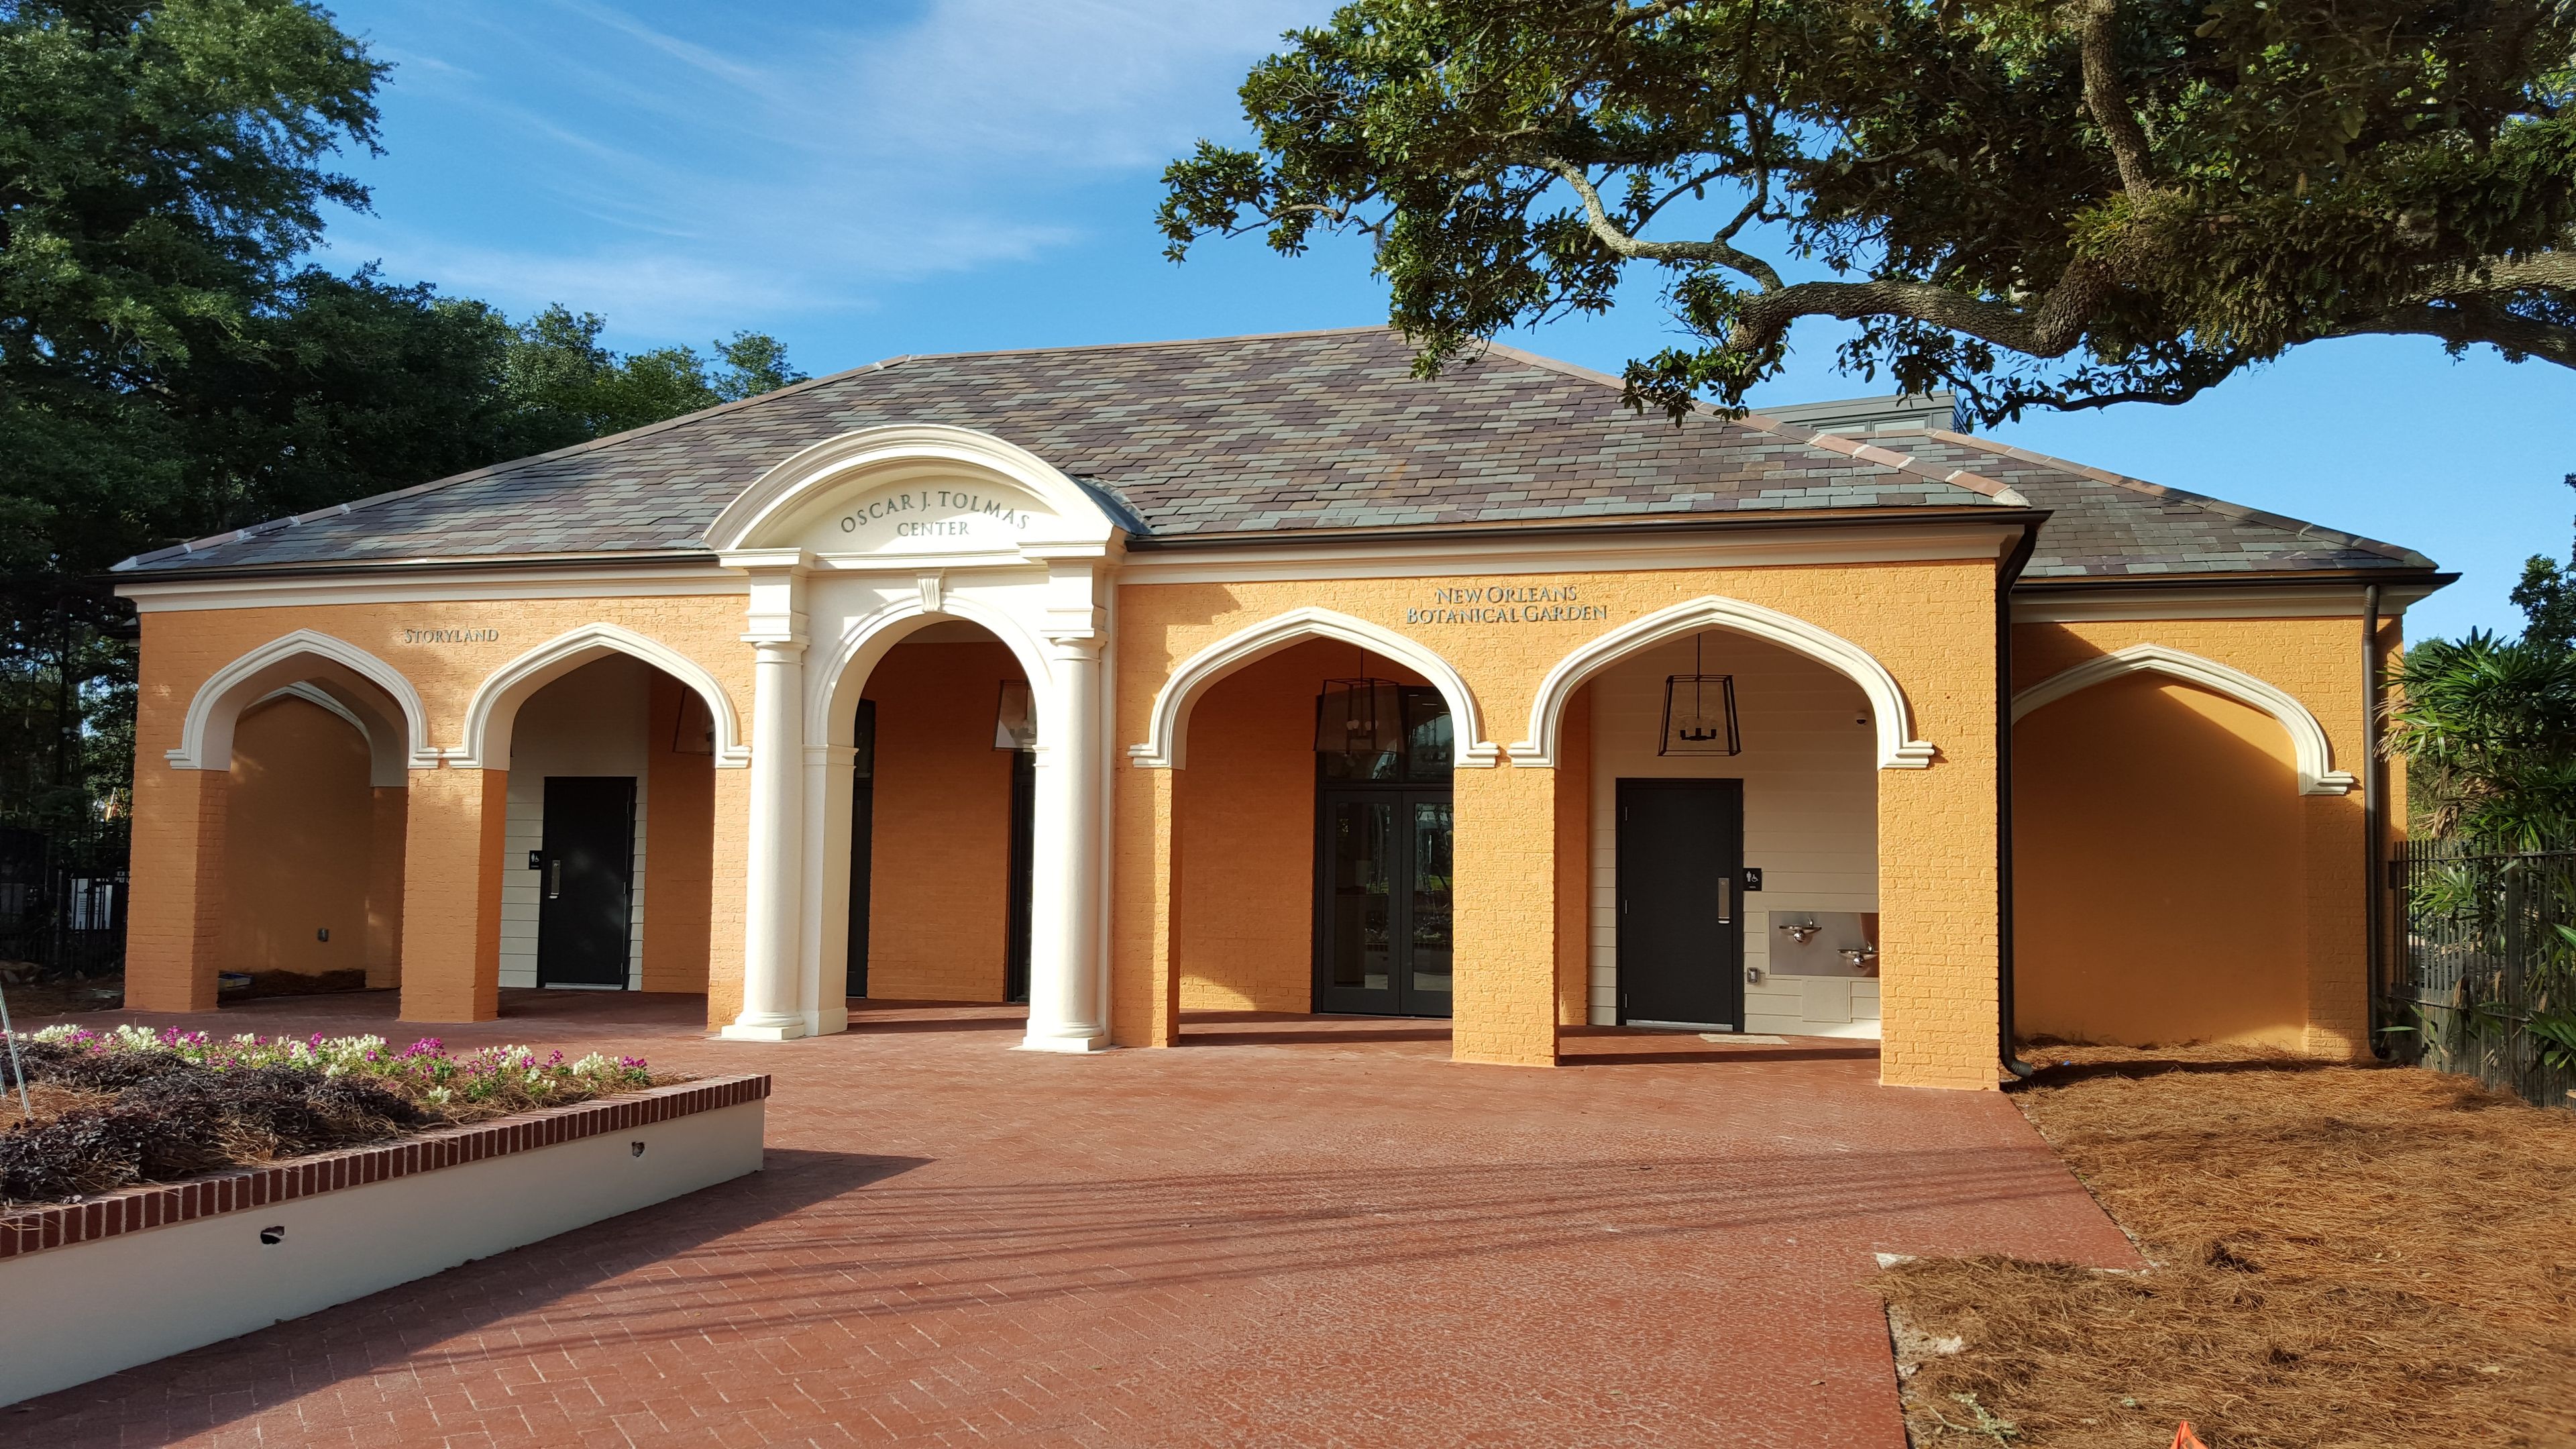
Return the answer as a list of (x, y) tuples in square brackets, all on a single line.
[(2343, 1256)]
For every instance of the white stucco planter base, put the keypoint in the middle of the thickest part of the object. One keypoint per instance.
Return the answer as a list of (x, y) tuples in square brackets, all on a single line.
[(84, 1309)]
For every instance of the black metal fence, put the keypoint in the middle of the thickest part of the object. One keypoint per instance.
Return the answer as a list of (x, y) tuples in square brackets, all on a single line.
[(62, 898), (2487, 983)]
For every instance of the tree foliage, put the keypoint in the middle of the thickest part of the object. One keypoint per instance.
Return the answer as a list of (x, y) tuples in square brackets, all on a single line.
[(169, 368), (2488, 725), (2057, 203)]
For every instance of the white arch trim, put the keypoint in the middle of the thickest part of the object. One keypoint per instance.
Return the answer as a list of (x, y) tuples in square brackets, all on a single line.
[(206, 733), (833, 689), (1897, 747), (2315, 756), (387, 766), (778, 496), (1167, 739), (495, 709)]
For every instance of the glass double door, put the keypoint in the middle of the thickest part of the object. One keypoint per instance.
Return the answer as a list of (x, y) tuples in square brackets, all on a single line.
[(1382, 901)]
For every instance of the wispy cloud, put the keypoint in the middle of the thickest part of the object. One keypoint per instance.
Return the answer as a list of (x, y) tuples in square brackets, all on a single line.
[(690, 170)]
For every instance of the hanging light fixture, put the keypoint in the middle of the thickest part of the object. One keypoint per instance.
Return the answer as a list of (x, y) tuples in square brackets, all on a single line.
[(1699, 712), (1015, 724), (1359, 717)]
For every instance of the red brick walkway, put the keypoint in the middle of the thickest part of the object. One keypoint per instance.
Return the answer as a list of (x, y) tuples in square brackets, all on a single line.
[(1289, 1231)]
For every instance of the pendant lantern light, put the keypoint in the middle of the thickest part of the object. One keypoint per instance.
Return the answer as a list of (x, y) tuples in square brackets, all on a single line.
[(1359, 717), (1699, 712)]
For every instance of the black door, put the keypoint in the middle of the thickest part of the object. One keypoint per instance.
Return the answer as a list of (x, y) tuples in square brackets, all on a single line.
[(585, 888), (863, 809), (1024, 832), (1681, 911), (1382, 902)]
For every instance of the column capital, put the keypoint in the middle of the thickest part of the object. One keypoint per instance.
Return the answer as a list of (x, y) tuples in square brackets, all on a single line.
[(1078, 647), (785, 644)]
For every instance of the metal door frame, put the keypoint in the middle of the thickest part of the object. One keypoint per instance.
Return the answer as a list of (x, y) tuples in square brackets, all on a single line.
[(1402, 796), (626, 917), (1730, 791)]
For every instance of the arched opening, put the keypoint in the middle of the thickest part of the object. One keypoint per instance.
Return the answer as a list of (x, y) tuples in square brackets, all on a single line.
[(607, 848), (2160, 867), (315, 806), (1318, 875), (290, 776), (1735, 891), (941, 727)]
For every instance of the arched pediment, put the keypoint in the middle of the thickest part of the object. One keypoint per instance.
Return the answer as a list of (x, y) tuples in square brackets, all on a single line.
[(2308, 744), (915, 491)]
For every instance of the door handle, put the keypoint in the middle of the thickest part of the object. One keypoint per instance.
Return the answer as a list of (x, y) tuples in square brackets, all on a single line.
[(554, 878)]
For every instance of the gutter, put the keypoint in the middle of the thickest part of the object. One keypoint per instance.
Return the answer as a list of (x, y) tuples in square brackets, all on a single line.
[(2004, 1008), (2374, 777)]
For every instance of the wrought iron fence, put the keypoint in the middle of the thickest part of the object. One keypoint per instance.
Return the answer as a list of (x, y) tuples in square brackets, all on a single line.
[(2487, 986), (62, 898)]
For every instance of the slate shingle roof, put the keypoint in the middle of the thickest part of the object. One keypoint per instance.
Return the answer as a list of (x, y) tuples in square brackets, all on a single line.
[(1274, 436)]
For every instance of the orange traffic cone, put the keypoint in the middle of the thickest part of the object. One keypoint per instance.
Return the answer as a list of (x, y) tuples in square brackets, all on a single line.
[(2185, 1439)]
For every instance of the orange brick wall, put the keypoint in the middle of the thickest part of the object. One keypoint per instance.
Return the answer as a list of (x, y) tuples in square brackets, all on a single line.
[(452, 895), (2317, 661), (1574, 863), (2160, 881), (680, 803), (939, 878), (303, 826), (389, 821), (176, 930), (1930, 624), (1248, 830)]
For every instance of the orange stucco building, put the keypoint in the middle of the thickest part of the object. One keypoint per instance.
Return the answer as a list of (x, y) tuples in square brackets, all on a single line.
[(1257, 674)]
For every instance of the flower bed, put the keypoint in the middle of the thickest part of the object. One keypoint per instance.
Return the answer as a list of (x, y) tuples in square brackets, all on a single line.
[(131, 1105)]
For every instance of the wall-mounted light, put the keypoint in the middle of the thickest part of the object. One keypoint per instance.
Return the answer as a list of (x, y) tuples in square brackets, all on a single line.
[(1699, 712), (1015, 725), (693, 726)]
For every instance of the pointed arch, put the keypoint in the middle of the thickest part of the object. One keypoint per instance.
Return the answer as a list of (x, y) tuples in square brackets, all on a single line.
[(495, 708), (2308, 743), (1897, 747), (206, 732), (1167, 729), (388, 767)]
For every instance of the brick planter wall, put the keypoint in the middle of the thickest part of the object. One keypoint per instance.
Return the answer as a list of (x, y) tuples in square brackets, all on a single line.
[(145, 1272)]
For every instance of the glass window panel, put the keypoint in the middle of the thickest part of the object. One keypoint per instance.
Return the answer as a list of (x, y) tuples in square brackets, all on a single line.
[(1432, 838), (1426, 735), (1362, 842)]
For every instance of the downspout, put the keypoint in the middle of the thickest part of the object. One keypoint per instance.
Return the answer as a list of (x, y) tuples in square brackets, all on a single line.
[(2011, 573), (2373, 777)]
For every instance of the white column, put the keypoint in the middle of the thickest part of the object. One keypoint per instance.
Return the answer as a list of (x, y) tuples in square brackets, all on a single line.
[(1067, 1002), (774, 874), (823, 970)]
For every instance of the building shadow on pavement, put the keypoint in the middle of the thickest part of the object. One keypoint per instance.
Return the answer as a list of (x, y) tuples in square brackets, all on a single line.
[(420, 1328)]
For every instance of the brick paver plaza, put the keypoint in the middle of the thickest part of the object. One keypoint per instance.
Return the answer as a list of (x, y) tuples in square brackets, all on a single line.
[(1287, 1231)]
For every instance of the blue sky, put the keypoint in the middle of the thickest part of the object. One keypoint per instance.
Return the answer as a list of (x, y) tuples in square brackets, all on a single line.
[(938, 175)]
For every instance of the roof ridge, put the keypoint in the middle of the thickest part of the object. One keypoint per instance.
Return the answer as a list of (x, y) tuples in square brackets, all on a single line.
[(511, 465), (2001, 492), (1144, 346), (489, 470), (2398, 552), (1871, 452)]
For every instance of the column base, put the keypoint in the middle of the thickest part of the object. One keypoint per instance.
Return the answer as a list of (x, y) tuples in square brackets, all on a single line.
[(1097, 1041), (768, 1028)]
